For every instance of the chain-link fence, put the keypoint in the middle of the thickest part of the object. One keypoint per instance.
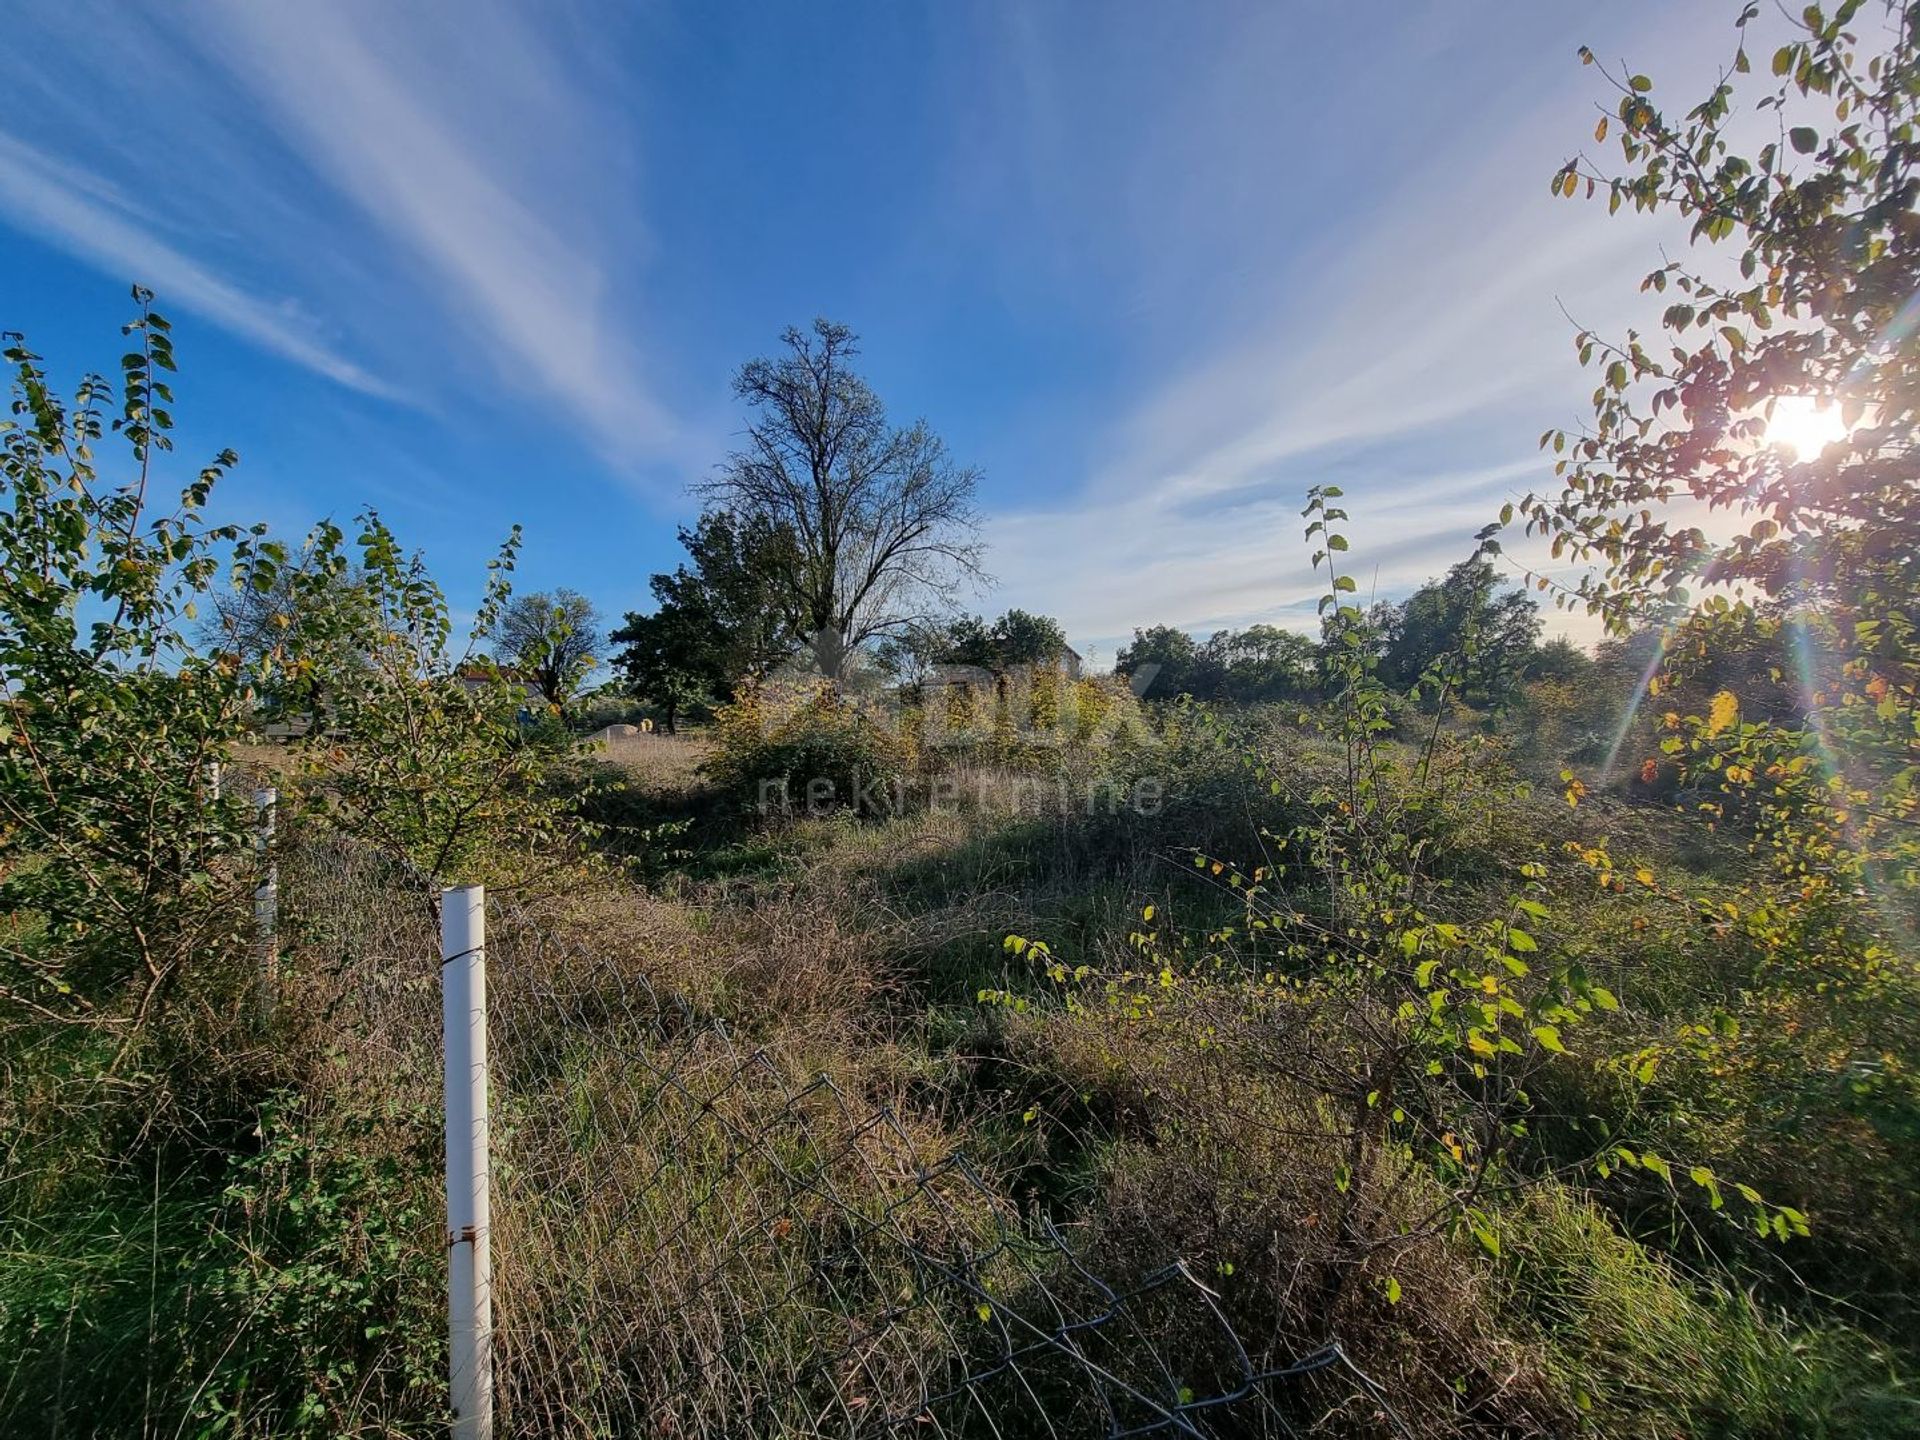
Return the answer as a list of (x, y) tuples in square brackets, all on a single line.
[(691, 1238)]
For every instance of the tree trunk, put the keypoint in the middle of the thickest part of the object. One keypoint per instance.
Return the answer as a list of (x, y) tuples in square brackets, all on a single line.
[(829, 651)]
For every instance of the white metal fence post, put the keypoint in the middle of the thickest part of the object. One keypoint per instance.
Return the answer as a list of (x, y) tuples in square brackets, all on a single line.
[(266, 901), (463, 989)]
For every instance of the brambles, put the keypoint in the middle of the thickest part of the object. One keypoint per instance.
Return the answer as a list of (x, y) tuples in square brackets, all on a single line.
[(1397, 1002), (809, 747)]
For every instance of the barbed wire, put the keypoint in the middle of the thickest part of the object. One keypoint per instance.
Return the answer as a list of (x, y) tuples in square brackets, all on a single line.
[(695, 1235)]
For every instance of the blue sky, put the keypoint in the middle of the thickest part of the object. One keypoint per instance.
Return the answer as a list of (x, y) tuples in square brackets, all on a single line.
[(1155, 268)]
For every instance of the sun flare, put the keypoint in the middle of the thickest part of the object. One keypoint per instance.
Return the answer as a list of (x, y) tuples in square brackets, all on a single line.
[(1804, 426)]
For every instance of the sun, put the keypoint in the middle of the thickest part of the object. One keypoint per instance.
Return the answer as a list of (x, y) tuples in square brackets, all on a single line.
[(1804, 426)]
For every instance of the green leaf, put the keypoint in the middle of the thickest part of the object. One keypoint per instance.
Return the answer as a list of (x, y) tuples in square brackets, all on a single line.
[(1803, 139)]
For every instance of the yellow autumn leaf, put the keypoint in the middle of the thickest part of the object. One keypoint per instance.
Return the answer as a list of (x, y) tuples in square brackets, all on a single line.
[(1726, 710)]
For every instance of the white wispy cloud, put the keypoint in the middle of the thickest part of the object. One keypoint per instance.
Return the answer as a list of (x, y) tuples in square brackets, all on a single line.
[(1427, 425), (1413, 359), (448, 191), (515, 252), (88, 216)]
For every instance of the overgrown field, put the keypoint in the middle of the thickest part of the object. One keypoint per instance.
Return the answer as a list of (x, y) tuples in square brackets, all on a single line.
[(1133, 1066), (1138, 1071)]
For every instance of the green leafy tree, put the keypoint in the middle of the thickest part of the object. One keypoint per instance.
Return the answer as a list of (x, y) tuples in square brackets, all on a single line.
[(724, 618), (741, 575), (1464, 618), (1162, 660), (1018, 638), (1746, 502), (1560, 660), (965, 641), (422, 755), (1260, 663), (674, 658)]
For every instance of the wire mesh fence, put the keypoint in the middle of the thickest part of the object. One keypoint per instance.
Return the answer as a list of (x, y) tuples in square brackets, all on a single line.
[(691, 1237)]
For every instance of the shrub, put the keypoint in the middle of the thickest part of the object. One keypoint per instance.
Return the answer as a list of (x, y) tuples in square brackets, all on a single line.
[(1030, 718), (119, 871), (294, 1293), (806, 745), (425, 752), (1049, 719), (1395, 989)]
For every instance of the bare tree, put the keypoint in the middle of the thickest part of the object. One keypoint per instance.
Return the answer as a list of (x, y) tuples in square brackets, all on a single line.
[(552, 639), (882, 520), (247, 621)]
